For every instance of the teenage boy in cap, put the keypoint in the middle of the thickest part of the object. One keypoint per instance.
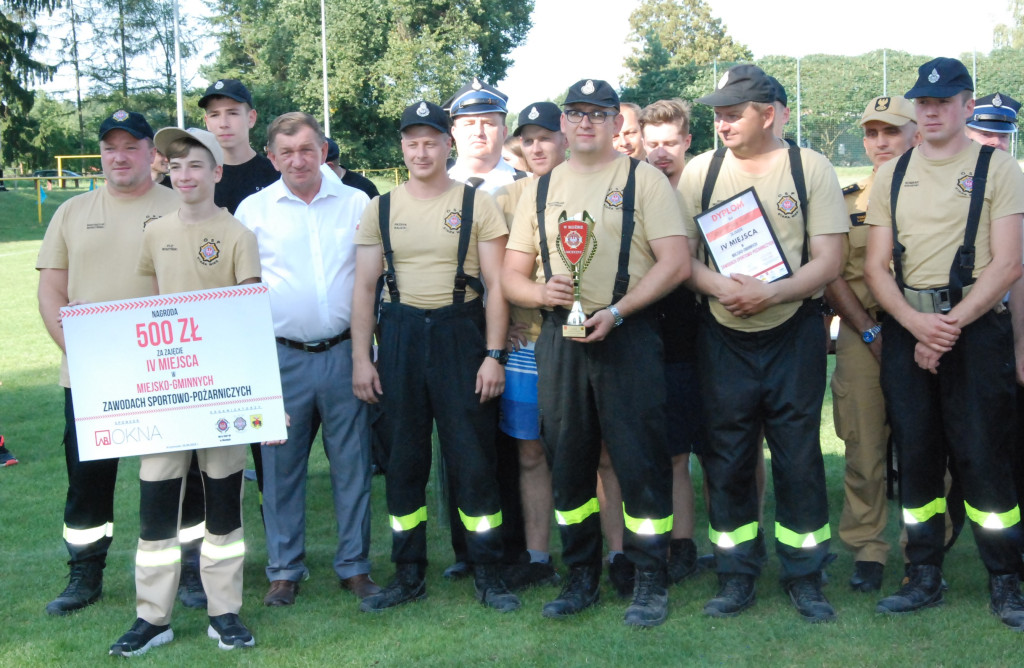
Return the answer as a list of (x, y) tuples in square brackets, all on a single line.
[(478, 127), (948, 356), (195, 166), (762, 362), (628, 140), (347, 176), (994, 121), (229, 115), (858, 406), (599, 387), (544, 146), (441, 354), (88, 255)]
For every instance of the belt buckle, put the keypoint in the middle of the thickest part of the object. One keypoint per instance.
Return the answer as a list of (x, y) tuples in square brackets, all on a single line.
[(940, 300), (317, 347)]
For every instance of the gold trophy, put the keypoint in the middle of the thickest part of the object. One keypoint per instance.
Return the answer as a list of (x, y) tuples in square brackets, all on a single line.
[(574, 237)]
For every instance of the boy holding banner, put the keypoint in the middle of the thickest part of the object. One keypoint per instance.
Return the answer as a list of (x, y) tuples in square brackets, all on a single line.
[(199, 246)]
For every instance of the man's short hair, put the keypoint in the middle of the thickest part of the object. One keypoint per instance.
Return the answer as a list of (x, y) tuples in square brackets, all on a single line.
[(290, 123), (635, 108), (180, 148), (662, 112)]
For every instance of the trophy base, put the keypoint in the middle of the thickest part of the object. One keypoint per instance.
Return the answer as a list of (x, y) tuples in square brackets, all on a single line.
[(574, 331)]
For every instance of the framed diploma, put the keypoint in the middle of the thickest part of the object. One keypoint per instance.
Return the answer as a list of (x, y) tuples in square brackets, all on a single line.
[(740, 240), (174, 372)]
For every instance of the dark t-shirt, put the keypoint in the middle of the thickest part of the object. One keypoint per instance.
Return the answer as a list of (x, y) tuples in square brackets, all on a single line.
[(355, 180), (240, 181)]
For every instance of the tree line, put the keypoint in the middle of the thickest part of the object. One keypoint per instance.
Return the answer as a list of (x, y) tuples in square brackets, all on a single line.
[(383, 54)]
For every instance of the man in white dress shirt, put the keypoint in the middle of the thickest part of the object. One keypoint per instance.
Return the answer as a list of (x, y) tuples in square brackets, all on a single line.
[(305, 224)]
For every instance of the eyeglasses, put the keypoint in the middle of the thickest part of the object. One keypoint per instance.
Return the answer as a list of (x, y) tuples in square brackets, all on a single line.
[(596, 117)]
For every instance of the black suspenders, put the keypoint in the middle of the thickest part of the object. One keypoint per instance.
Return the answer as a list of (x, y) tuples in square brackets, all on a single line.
[(796, 168), (465, 232), (625, 243), (961, 272)]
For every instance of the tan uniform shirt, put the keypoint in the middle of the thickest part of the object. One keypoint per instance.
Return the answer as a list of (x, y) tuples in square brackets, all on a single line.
[(507, 199), (932, 210), (855, 244), (214, 253), (826, 214), (96, 237), (425, 240), (658, 215)]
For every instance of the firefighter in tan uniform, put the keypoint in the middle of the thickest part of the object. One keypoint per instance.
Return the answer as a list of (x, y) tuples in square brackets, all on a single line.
[(948, 216), (858, 406)]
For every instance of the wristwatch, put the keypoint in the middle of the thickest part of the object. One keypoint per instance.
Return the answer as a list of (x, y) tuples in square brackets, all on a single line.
[(500, 355), (868, 335), (615, 314)]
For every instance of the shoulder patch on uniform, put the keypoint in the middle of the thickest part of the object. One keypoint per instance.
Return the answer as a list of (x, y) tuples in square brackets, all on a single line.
[(857, 219), (850, 189)]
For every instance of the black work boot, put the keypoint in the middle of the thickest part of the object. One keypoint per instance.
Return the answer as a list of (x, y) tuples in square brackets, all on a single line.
[(922, 589), (526, 574), (1007, 603), (190, 584), (735, 594), (867, 576), (491, 590), (650, 598), (84, 588), (682, 559), (621, 573), (579, 592), (810, 602), (408, 585)]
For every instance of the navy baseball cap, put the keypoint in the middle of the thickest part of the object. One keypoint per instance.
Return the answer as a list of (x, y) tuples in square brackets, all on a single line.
[(231, 88), (742, 83), (542, 114), (131, 122), (333, 152), (592, 91), (941, 77), (476, 97), (425, 113), (780, 91), (995, 113)]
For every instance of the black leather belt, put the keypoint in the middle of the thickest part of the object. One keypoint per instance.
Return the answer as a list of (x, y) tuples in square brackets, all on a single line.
[(318, 346)]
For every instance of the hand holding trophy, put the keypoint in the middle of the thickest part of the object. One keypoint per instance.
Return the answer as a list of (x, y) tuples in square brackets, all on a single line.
[(574, 238)]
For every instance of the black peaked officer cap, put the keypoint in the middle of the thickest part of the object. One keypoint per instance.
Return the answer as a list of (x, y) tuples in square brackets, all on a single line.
[(131, 122), (476, 97), (542, 114), (742, 83), (424, 113), (995, 113), (941, 77), (232, 88)]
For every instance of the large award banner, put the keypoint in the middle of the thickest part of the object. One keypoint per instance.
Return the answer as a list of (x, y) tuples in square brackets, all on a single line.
[(174, 372)]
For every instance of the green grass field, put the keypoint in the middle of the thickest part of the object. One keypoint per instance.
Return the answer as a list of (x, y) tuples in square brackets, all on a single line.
[(449, 627)]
